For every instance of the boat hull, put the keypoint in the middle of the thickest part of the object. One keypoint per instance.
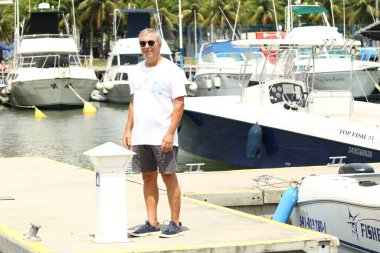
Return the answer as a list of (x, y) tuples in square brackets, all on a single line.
[(52, 93), (119, 94), (342, 205), (357, 227), (225, 140), (229, 84)]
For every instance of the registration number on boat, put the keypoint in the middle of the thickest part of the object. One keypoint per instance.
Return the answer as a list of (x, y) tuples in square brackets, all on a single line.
[(313, 224)]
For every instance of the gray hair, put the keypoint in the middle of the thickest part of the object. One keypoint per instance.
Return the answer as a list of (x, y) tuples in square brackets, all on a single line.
[(151, 30)]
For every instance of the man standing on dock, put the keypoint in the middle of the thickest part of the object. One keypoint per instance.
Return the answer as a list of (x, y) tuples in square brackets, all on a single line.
[(155, 111)]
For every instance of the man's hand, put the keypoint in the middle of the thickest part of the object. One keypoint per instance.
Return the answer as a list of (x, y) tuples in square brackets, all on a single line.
[(126, 139), (167, 143)]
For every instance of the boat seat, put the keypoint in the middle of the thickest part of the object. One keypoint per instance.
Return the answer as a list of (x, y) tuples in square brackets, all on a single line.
[(330, 103)]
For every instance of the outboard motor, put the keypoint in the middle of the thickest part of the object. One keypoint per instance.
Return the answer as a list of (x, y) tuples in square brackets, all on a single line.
[(352, 168)]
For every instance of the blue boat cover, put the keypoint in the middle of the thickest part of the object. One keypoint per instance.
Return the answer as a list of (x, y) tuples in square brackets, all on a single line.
[(224, 47), (4, 47)]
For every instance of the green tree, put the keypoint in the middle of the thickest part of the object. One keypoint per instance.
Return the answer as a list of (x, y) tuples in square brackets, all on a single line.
[(96, 13), (6, 24)]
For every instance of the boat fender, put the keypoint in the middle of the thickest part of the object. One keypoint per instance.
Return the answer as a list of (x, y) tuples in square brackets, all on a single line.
[(108, 85), (287, 202), (254, 140), (217, 82), (193, 86), (208, 84), (99, 86), (8, 89)]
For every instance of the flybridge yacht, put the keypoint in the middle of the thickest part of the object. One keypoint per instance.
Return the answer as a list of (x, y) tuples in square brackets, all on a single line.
[(48, 71)]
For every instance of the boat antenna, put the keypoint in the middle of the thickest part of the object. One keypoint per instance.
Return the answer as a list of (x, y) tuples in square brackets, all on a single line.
[(159, 20), (228, 24), (332, 12), (74, 23), (237, 14), (195, 35), (344, 19), (180, 33), (275, 18)]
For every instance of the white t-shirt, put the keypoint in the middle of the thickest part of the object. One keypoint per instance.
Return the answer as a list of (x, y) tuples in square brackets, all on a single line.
[(153, 92)]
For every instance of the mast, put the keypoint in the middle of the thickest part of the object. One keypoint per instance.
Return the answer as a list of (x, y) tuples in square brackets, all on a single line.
[(180, 33)]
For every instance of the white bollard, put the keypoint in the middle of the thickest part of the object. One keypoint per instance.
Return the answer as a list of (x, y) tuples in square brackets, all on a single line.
[(110, 162)]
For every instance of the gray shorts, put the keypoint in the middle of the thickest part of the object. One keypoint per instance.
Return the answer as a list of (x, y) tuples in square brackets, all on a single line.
[(150, 158)]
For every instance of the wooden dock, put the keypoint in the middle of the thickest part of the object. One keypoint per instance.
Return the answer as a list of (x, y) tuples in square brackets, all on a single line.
[(60, 198)]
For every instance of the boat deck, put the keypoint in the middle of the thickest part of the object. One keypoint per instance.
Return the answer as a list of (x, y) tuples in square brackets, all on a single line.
[(60, 198)]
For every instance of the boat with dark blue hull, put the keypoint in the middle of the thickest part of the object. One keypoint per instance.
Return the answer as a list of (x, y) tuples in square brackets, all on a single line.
[(280, 122), (234, 142), (277, 124)]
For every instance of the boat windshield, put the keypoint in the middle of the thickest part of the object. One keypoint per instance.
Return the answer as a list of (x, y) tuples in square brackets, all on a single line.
[(129, 59), (232, 57), (53, 61), (305, 53)]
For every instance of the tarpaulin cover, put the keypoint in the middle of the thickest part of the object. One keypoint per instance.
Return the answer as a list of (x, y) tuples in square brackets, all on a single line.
[(4, 47)]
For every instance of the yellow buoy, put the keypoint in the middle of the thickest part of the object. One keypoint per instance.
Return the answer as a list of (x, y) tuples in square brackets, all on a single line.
[(38, 114), (89, 108)]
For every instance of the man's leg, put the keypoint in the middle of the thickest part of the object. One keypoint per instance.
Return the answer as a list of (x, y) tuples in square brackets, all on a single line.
[(151, 195), (174, 195)]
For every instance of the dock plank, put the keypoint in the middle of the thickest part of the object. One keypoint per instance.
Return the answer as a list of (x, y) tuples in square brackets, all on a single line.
[(61, 199)]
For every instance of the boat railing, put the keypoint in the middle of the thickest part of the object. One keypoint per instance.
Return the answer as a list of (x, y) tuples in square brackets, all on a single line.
[(54, 61), (35, 36)]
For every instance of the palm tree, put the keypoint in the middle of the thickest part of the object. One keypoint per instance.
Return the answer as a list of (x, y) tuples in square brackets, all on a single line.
[(222, 12), (192, 12), (6, 21), (96, 13)]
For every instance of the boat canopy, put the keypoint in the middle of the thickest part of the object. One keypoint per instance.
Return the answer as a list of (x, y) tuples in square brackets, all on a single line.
[(4, 47), (137, 20), (42, 23), (307, 9), (371, 31)]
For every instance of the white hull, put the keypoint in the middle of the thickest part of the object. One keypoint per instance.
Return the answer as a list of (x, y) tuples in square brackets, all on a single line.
[(50, 87), (338, 205), (120, 93)]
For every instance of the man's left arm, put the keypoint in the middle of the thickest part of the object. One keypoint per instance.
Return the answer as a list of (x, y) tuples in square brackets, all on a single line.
[(178, 107)]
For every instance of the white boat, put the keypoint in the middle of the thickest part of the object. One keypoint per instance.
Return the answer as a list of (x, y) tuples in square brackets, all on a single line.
[(124, 58), (48, 71), (220, 67), (281, 123), (331, 69), (343, 205)]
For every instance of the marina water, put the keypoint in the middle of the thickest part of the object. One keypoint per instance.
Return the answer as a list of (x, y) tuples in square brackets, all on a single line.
[(64, 135)]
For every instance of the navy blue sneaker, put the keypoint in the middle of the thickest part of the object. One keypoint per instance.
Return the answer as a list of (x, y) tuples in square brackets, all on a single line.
[(145, 230), (172, 230)]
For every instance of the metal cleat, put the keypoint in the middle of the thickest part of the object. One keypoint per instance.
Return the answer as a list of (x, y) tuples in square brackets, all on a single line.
[(197, 168), (334, 160), (32, 235)]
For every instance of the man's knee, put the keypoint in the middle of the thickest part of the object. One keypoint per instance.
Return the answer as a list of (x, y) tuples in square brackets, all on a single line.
[(149, 177)]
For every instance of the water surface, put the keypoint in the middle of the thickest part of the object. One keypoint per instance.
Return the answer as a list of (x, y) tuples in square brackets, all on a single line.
[(64, 135)]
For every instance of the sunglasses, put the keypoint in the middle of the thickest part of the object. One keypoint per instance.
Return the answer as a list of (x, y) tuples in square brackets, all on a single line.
[(150, 43)]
